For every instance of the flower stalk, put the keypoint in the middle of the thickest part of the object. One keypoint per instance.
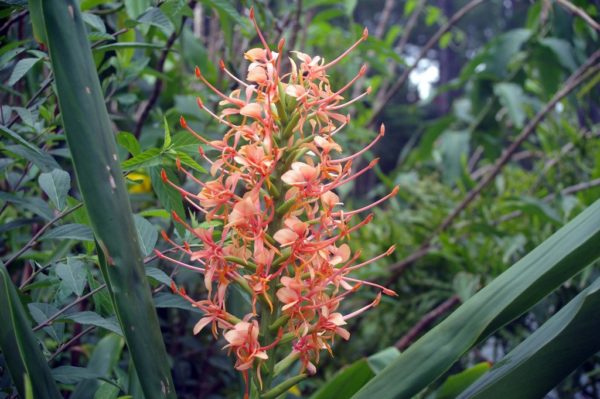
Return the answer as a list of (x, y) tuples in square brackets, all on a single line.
[(278, 227)]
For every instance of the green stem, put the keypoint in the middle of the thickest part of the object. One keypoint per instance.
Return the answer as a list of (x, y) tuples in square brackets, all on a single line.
[(285, 363), (283, 387), (241, 262)]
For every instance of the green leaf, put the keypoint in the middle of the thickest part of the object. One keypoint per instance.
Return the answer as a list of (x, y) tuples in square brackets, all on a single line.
[(358, 374), (409, 7), (94, 21), (168, 300), (35, 204), (511, 294), (104, 358), (157, 213), (21, 68), (102, 300), (512, 97), (19, 346), (147, 234), (465, 285), (72, 276), (40, 159), (453, 146), (445, 40), (89, 134), (432, 15), (346, 382), (167, 140), (15, 136), (158, 275), (129, 142), (175, 9), (533, 206), (549, 354), (127, 45), (563, 51), (225, 8), (136, 7), (94, 319), (146, 159), (73, 375), (186, 160), (56, 185), (167, 195), (37, 21), (40, 313), (457, 383), (71, 231), (109, 391), (155, 17), (349, 6), (381, 360)]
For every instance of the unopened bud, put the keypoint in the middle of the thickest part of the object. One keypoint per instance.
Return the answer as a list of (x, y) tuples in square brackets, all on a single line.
[(373, 163), (163, 176), (182, 122), (365, 33), (199, 102), (198, 72)]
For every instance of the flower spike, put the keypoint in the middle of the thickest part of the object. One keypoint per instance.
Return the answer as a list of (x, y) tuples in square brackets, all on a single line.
[(277, 228)]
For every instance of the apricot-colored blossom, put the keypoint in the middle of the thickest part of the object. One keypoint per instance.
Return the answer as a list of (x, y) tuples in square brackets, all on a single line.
[(278, 230)]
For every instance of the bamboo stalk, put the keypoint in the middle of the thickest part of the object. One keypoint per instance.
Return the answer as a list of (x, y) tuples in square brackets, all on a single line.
[(93, 148)]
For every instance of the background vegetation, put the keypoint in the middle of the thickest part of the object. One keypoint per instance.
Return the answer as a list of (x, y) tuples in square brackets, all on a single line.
[(491, 111)]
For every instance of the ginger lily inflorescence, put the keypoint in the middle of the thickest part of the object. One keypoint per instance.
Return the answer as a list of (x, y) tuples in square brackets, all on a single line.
[(278, 230)]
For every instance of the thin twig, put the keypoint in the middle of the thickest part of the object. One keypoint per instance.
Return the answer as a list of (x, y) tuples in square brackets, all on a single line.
[(582, 14), (399, 49), (295, 29), (33, 275), (586, 185), (56, 315), (587, 69), (385, 17), (50, 79), (42, 88), (45, 227), (565, 191), (70, 342), (429, 318), (12, 20), (408, 28), (157, 86), (378, 108)]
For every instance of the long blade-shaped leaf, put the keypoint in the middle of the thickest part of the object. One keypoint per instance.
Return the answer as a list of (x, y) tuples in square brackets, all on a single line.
[(20, 347), (548, 355), (508, 296), (92, 144)]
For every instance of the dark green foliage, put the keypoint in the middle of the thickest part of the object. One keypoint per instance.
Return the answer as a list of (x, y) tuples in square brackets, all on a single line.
[(497, 66)]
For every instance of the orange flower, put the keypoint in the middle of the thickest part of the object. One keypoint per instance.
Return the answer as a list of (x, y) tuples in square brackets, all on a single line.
[(278, 231)]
